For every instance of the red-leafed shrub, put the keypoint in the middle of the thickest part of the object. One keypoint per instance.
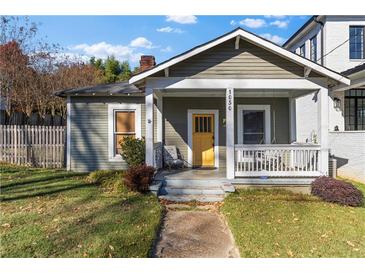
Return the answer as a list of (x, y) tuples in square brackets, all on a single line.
[(336, 191), (139, 178)]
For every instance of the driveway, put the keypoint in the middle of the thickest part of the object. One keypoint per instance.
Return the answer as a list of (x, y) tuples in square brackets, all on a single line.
[(194, 233)]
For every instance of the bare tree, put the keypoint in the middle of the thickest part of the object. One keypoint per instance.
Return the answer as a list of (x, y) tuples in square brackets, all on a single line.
[(32, 70)]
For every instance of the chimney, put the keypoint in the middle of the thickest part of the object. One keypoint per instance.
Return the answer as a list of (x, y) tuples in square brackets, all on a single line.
[(146, 62)]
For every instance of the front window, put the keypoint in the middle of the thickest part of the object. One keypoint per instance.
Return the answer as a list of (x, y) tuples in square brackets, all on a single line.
[(253, 124), (313, 48), (357, 50), (123, 120), (302, 51), (253, 127), (124, 126), (355, 109)]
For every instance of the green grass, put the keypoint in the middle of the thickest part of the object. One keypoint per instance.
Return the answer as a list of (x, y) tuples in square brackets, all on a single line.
[(54, 213), (274, 223)]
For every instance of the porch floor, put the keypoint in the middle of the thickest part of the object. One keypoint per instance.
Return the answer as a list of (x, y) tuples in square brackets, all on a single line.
[(218, 175)]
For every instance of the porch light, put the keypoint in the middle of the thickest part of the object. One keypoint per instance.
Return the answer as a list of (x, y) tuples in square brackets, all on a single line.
[(337, 103)]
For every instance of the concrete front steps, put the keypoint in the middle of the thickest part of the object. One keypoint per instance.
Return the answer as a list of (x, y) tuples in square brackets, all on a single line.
[(175, 190)]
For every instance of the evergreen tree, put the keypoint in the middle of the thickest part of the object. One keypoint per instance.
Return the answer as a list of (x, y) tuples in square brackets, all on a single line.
[(125, 71), (112, 69)]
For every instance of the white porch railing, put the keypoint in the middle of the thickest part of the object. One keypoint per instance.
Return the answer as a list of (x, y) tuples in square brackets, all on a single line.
[(277, 160)]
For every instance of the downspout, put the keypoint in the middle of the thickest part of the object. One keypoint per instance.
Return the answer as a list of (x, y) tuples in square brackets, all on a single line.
[(322, 39)]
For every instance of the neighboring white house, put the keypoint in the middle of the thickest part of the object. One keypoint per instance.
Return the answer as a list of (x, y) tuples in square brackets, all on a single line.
[(337, 42)]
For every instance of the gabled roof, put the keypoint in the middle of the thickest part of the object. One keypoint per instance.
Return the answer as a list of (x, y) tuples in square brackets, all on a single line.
[(302, 28), (103, 89), (253, 38)]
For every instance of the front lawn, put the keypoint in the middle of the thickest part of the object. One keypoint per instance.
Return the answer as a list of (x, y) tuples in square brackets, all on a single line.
[(274, 223), (54, 213)]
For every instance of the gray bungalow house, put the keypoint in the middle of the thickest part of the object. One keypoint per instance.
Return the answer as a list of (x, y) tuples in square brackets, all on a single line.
[(228, 106)]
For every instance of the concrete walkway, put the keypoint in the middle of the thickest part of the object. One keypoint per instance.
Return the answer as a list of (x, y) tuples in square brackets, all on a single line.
[(194, 233)]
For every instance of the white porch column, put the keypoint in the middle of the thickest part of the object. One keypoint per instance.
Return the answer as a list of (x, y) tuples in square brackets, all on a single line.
[(292, 120), (159, 135), (323, 129), (230, 133), (149, 127), (159, 119)]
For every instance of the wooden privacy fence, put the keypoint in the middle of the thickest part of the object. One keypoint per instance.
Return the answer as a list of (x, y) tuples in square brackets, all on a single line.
[(38, 146)]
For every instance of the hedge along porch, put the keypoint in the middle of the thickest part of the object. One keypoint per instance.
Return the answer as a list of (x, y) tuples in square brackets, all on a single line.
[(232, 74)]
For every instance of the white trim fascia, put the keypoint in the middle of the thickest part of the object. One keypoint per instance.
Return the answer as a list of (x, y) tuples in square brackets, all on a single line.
[(138, 126), (354, 84), (216, 133), (68, 135), (238, 84), (255, 40), (266, 109)]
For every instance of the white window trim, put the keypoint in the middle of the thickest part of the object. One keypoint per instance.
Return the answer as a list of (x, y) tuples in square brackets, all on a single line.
[(216, 133), (267, 130), (314, 38), (111, 110)]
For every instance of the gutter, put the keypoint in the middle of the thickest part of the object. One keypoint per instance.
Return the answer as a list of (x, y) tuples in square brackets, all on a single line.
[(322, 39)]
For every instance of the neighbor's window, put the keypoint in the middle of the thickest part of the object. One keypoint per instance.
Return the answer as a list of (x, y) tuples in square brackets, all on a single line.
[(357, 50), (124, 125), (313, 48), (302, 50), (355, 109)]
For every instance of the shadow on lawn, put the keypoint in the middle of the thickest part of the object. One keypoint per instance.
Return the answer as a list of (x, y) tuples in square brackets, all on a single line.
[(25, 181), (41, 186)]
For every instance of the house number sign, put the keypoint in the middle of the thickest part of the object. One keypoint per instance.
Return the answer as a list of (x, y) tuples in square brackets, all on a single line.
[(229, 99)]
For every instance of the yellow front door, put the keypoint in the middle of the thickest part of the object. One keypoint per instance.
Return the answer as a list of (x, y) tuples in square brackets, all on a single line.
[(203, 140)]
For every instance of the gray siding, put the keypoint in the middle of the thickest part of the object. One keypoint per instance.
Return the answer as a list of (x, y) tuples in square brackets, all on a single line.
[(249, 61), (175, 120), (89, 126), (89, 132)]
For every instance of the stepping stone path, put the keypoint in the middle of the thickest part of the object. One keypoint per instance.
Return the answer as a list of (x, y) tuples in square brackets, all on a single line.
[(194, 232)]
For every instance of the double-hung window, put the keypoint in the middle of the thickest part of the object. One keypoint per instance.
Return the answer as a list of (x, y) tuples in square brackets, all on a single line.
[(313, 48), (357, 40), (302, 50), (355, 109), (254, 124), (124, 120)]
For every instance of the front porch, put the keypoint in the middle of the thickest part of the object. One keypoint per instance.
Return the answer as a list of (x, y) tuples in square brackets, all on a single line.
[(218, 176), (273, 157)]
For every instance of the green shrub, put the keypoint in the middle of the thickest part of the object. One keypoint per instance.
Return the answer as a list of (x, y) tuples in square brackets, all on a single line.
[(139, 178), (133, 151)]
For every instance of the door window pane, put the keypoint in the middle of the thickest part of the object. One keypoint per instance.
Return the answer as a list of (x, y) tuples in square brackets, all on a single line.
[(203, 124)]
